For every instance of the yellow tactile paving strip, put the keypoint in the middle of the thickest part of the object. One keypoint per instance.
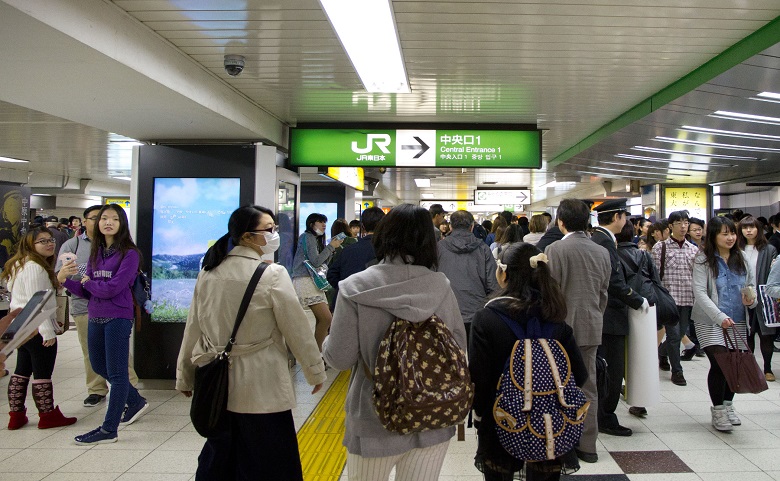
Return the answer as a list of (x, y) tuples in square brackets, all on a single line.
[(320, 438)]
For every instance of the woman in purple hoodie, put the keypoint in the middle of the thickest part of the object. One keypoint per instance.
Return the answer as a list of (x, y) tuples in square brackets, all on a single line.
[(111, 271)]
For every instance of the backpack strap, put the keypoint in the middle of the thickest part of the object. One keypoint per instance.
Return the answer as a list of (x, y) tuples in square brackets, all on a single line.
[(536, 329)]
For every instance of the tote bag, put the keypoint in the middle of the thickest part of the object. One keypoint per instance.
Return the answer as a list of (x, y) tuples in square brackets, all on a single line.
[(740, 367)]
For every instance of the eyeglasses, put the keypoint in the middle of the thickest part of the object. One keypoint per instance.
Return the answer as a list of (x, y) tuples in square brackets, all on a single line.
[(93, 219), (270, 230), (46, 241), (681, 223)]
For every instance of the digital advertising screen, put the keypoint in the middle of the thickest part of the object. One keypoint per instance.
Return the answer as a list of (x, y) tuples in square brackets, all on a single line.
[(328, 209), (189, 215)]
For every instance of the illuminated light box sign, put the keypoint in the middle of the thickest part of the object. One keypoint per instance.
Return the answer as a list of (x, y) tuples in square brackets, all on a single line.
[(453, 205), (502, 196), (450, 147), (694, 199), (349, 176)]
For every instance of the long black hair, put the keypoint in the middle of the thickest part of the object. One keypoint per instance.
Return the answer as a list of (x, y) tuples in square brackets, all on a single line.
[(407, 233), (710, 248), (123, 241), (242, 220), (531, 286), (310, 221)]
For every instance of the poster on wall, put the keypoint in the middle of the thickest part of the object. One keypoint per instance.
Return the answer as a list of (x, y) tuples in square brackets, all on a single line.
[(189, 215), (15, 218)]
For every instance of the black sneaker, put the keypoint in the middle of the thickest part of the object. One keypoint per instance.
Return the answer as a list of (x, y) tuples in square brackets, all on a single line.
[(93, 400), (637, 411), (663, 363), (688, 354), (700, 352), (616, 430)]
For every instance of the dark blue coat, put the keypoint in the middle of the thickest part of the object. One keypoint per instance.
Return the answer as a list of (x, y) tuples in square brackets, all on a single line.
[(353, 259)]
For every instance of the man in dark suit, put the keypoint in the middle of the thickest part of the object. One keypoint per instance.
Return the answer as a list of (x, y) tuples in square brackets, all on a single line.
[(774, 239), (612, 218), (582, 269), (358, 256)]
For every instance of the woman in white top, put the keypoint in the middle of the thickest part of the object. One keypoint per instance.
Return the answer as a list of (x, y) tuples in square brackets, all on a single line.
[(31, 270), (759, 254)]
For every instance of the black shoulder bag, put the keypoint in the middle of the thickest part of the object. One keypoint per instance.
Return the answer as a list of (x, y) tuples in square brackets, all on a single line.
[(210, 393)]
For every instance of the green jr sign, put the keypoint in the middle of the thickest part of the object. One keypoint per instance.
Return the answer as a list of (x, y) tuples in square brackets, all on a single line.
[(415, 148)]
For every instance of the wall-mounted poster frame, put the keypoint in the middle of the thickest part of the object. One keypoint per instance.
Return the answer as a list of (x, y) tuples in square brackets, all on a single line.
[(695, 198)]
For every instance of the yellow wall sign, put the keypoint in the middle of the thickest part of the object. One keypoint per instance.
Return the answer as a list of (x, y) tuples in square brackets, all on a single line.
[(351, 176), (122, 201), (367, 204), (693, 199)]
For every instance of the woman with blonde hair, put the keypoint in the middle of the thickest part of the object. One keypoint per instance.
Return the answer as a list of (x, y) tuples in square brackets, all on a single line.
[(31, 270)]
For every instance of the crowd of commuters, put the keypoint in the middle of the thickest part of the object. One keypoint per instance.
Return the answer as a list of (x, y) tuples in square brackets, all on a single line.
[(580, 281)]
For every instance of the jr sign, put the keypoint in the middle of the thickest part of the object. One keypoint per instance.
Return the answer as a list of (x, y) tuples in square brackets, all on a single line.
[(450, 147)]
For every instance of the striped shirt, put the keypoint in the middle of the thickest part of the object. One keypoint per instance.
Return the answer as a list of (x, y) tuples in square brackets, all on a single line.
[(678, 269)]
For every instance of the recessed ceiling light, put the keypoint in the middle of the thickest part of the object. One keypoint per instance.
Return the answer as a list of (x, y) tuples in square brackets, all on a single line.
[(11, 159), (759, 119), (366, 29), (728, 133), (423, 182), (717, 145), (695, 154)]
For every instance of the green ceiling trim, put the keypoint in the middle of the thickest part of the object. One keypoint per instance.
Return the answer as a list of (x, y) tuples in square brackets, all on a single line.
[(753, 44)]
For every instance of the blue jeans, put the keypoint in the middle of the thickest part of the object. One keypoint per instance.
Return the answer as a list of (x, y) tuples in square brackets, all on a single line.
[(109, 349)]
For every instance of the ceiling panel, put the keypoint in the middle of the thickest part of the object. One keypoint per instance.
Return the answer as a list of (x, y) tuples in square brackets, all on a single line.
[(568, 66)]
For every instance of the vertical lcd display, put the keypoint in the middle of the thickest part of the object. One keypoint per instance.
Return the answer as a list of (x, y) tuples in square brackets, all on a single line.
[(189, 215)]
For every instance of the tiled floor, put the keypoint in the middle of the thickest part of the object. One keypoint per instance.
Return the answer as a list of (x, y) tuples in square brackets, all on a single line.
[(163, 446)]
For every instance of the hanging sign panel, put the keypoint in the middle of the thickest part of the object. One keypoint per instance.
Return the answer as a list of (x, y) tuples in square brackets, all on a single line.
[(502, 196), (451, 147)]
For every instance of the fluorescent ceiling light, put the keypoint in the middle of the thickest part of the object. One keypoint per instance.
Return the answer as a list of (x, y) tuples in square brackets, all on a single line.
[(11, 159), (626, 171), (123, 178), (366, 29), (616, 176), (671, 161), (695, 154), (759, 119), (423, 182), (636, 166), (770, 95), (671, 140), (728, 133), (426, 195), (41, 195)]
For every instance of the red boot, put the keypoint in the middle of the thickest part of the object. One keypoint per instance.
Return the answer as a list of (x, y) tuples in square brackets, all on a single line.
[(49, 416), (53, 419), (18, 419), (17, 392)]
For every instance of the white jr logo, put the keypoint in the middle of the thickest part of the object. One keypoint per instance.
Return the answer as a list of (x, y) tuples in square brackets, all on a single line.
[(381, 141)]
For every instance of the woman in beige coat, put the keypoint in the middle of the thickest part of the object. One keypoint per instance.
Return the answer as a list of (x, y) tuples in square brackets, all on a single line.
[(261, 443)]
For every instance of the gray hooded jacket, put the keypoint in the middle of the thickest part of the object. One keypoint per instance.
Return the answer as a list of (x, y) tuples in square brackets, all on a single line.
[(469, 265), (368, 303)]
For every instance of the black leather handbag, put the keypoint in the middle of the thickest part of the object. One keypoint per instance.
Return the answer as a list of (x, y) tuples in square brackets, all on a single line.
[(210, 393)]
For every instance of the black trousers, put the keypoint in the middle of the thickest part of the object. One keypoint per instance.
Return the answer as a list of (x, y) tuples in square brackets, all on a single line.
[(613, 350), (258, 447), (33, 358)]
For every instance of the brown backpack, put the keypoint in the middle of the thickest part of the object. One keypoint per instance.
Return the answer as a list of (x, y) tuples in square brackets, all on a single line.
[(421, 378)]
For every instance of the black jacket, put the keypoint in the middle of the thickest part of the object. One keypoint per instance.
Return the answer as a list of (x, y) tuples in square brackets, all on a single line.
[(490, 344), (620, 295), (353, 259), (553, 234), (632, 258)]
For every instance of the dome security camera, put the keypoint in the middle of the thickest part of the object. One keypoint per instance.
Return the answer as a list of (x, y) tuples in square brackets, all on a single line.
[(234, 65)]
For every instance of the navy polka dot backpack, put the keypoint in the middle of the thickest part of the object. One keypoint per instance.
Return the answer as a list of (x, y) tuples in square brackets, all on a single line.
[(539, 410)]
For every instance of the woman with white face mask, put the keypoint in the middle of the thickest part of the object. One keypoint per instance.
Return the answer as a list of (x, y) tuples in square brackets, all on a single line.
[(261, 438), (312, 248)]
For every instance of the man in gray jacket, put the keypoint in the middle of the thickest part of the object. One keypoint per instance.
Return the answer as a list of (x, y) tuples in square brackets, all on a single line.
[(468, 264), (583, 270)]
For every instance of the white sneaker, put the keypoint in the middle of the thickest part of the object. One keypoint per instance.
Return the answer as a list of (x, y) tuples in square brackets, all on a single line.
[(732, 415), (720, 418)]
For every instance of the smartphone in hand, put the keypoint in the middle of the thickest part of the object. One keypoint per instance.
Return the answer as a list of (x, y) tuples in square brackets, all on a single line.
[(340, 236)]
